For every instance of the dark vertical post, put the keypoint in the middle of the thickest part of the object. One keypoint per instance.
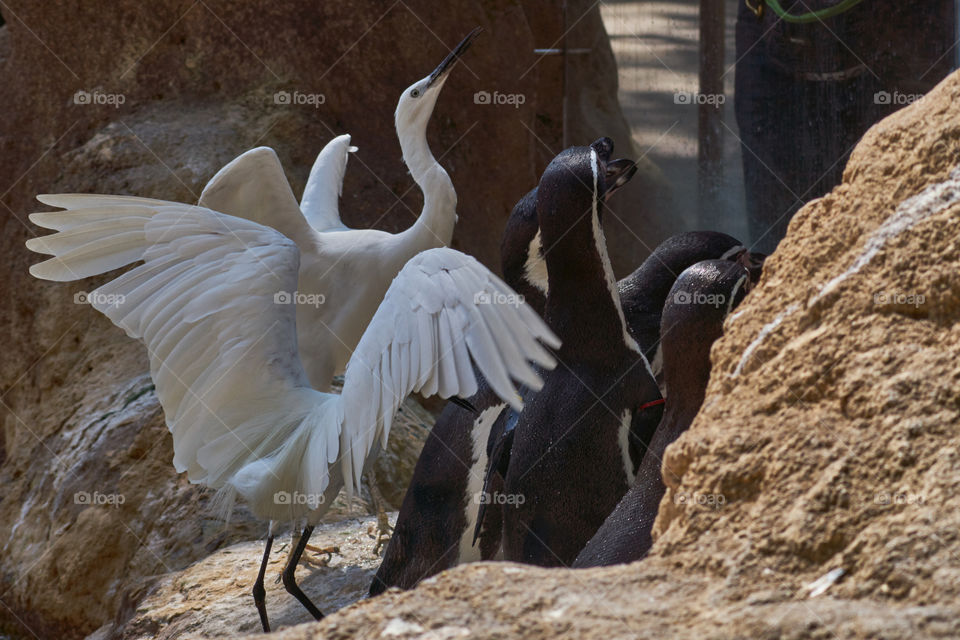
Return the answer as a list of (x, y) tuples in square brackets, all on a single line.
[(956, 32), (710, 109), (565, 63)]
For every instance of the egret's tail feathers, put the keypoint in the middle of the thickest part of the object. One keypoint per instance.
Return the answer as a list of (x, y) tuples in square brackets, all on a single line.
[(281, 462), (221, 505)]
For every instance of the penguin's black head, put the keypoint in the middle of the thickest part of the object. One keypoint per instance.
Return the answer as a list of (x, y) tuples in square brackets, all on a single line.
[(616, 172), (698, 303), (570, 190), (753, 262), (569, 199)]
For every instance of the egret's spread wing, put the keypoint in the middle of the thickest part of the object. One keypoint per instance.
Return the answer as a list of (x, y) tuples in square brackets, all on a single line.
[(441, 310), (320, 202), (211, 302), (254, 187)]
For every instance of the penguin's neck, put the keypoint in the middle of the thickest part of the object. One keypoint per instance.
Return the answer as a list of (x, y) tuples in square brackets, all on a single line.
[(434, 227), (646, 289), (686, 366), (583, 304)]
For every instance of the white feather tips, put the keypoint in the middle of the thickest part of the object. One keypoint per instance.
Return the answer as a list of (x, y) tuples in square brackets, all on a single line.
[(443, 312)]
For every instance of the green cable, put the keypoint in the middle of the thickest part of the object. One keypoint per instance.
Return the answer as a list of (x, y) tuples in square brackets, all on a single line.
[(812, 16)]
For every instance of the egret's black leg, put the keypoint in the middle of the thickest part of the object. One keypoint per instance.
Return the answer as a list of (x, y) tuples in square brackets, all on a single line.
[(289, 581), (259, 593)]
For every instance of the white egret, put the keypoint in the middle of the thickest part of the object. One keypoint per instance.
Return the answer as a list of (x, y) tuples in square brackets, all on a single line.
[(241, 368), (350, 270), (211, 303)]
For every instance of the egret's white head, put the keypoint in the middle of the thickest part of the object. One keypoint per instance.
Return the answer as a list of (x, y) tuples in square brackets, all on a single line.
[(417, 101)]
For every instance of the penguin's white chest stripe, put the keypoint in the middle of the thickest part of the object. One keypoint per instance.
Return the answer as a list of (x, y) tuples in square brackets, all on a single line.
[(480, 433), (623, 437), (535, 268)]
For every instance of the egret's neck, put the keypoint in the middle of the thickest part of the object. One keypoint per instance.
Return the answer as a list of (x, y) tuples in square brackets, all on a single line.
[(434, 227)]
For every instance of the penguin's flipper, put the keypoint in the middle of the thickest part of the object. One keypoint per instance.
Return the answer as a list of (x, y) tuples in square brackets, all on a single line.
[(643, 425), (463, 403), (498, 459)]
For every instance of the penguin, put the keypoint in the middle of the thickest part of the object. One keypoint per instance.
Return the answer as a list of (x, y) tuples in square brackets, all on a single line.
[(439, 523), (698, 303), (575, 447), (644, 292), (642, 296)]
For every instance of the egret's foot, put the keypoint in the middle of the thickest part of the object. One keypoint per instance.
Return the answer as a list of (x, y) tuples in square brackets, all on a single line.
[(381, 532), (322, 551), (384, 530)]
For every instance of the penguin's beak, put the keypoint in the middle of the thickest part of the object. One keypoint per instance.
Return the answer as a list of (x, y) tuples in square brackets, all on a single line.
[(439, 74), (618, 174), (753, 263)]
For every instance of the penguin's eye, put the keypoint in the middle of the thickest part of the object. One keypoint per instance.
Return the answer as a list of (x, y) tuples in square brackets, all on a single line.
[(415, 93)]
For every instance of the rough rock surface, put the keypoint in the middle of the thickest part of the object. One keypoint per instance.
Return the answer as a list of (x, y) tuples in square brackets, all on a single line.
[(815, 495), (212, 597), (198, 82)]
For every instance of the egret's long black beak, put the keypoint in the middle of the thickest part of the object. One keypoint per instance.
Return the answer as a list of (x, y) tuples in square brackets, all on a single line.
[(619, 173), (441, 71)]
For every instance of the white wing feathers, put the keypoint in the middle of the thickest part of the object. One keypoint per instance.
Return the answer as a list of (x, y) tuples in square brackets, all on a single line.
[(320, 203), (223, 352), (441, 309), (254, 187)]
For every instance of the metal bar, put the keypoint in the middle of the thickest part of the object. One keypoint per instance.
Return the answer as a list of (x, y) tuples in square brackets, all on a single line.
[(710, 106), (564, 52), (956, 33), (556, 52)]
